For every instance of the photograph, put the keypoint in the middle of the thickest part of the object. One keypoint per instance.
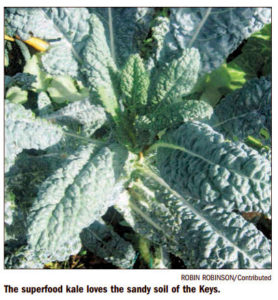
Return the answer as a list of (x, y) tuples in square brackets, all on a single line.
[(137, 138)]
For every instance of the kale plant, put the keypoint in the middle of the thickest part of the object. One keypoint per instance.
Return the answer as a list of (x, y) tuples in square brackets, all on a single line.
[(150, 117)]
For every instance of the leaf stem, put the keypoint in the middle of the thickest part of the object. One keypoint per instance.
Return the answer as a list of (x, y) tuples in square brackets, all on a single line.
[(234, 118), (165, 145), (77, 136), (111, 34), (201, 24)]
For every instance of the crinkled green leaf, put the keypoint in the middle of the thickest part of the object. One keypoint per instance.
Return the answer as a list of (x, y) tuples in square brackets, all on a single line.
[(101, 240), (216, 32), (82, 112), (31, 169), (71, 199), (246, 111), (159, 30), (134, 84), (205, 166), (175, 79), (206, 237), (24, 131), (59, 60), (171, 116)]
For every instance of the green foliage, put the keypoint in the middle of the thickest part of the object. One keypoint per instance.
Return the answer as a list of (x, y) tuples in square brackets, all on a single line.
[(24, 131), (175, 79), (215, 32), (103, 125), (134, 84), (63, 200), (220, 82), (255, 57), (80, 113), (166, 116), (104, 242), (203, 235), (170, 116), (16, 95), (233, 176), (254, 60), (246, 111)]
